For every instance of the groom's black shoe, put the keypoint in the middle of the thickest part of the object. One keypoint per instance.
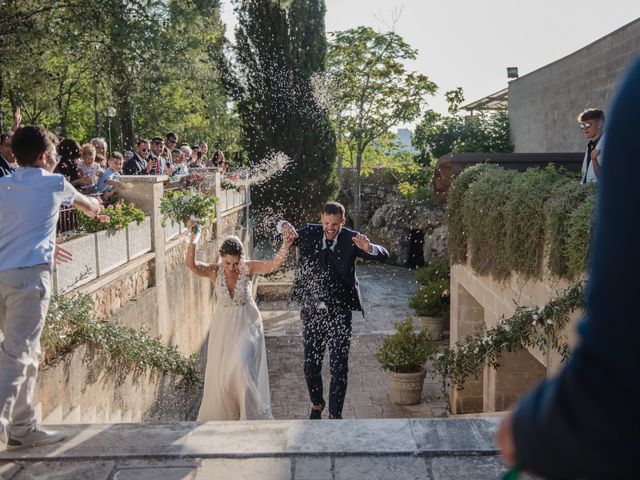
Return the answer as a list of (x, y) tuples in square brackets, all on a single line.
[(335, 417), (316, 413)]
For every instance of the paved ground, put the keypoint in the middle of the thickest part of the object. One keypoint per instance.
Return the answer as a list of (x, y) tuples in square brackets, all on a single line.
[(386, 291), (432, 449)]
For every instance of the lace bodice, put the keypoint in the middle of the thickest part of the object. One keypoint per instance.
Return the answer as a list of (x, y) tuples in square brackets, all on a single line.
[(242, 292)]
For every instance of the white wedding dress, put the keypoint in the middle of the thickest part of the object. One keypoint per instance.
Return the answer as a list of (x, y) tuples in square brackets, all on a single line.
[(236, 384)]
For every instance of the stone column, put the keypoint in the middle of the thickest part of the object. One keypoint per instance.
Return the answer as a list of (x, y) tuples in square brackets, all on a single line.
[(146, 194)]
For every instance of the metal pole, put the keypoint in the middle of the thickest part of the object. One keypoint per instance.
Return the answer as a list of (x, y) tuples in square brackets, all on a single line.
[(110, 149)]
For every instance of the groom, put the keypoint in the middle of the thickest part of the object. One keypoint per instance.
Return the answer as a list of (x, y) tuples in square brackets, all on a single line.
[(326, 287)]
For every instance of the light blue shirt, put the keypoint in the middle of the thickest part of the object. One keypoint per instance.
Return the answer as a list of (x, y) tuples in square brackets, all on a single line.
[(30, 201), (108, 174)]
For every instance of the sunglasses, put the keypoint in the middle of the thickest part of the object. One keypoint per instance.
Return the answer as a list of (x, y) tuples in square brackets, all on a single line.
[(585, 125), (144, 149)]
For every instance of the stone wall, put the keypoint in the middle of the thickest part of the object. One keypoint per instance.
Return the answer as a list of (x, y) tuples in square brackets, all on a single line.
[(154, 292), (543, 104), (479, 301)]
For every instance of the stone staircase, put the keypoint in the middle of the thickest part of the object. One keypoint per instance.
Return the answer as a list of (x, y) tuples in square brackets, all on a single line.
[(435, 449)]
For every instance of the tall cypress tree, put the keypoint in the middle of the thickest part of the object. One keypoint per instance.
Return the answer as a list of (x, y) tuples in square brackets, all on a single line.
[(277, 53)]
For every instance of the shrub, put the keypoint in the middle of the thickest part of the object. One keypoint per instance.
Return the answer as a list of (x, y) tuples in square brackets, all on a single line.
[(558, 211), (114, 217), (438, 269), (457, 240), (427, 302), (576, 249), (406, 350), (508, 221)]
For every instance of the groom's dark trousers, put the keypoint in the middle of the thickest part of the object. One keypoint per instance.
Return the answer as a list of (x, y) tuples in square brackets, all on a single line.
[(322, 327), (326, 287)]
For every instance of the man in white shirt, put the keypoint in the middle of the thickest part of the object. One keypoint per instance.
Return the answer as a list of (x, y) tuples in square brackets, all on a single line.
[(31, 198), (591, 122)]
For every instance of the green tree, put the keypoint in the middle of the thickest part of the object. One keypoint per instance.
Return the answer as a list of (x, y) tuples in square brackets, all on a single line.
[(438, 134), (279, 50), (372, 90)]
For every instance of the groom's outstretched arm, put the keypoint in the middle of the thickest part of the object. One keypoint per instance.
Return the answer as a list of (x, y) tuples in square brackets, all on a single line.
[(369, 250)]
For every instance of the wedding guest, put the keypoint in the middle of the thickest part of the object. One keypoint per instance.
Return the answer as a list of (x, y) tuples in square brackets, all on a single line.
[(70, 155), (31, 198), (204, 148), (109, 182), (137, 164), (8, 163), (89, 169), (101, 146), (220, 162)]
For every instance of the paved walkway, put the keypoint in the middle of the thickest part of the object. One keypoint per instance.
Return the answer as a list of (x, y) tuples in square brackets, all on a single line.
[(386, 291), (435, 449)]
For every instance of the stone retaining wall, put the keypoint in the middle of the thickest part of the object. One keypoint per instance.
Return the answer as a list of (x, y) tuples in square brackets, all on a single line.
[(154, 292)]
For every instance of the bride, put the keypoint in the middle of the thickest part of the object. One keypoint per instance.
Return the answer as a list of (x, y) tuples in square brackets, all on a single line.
[(236, 385)]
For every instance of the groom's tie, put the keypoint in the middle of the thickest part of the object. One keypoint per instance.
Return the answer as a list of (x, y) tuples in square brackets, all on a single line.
[(325, 258)]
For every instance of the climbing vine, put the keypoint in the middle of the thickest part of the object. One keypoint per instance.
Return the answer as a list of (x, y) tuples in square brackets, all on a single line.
[(540, 327)]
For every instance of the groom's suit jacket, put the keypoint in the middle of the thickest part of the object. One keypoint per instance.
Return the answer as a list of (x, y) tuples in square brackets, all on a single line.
[(309, 272)]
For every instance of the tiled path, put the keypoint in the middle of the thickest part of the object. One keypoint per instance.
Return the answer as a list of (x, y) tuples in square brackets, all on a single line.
[(386, 291)]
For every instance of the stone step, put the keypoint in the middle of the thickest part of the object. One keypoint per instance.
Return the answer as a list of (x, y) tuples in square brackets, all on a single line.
[(437, 449)]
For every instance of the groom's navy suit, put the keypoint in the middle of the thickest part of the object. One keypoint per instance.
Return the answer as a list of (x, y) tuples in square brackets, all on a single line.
[(326, 287)]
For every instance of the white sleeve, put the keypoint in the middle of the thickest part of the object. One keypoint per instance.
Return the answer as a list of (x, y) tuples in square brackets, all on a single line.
[(279, 225), (600, 147), (68, 193)]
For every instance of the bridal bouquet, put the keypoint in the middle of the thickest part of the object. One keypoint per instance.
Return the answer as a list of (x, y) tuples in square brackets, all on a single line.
[(184, 205)]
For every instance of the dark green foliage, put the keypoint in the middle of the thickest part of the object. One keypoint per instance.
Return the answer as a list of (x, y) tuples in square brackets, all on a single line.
[(524, 217), (559, 209), (438, 134), (438, 269), (66, 61), (277, 53), (457, 239), (406, 351), (484, 220), (578, 244), (69, 324), (427, 302), (507, 222)]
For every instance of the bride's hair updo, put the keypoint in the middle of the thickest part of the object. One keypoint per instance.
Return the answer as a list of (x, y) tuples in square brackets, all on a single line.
[(231, 245)]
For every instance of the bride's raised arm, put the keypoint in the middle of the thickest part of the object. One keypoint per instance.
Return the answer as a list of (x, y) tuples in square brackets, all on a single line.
[(262, 267), (201, 269)]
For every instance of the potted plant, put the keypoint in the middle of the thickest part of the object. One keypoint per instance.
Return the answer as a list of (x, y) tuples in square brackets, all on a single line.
[(431, 306), (403, 355)]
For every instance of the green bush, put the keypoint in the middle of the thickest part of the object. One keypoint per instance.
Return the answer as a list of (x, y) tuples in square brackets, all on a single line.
[(484, 219), (525, 219), (427, 302), (457, 240), (438, 269), (406, 350), (558, 211), (508, 221), (114, 217), (577, 247), (181, 205)]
